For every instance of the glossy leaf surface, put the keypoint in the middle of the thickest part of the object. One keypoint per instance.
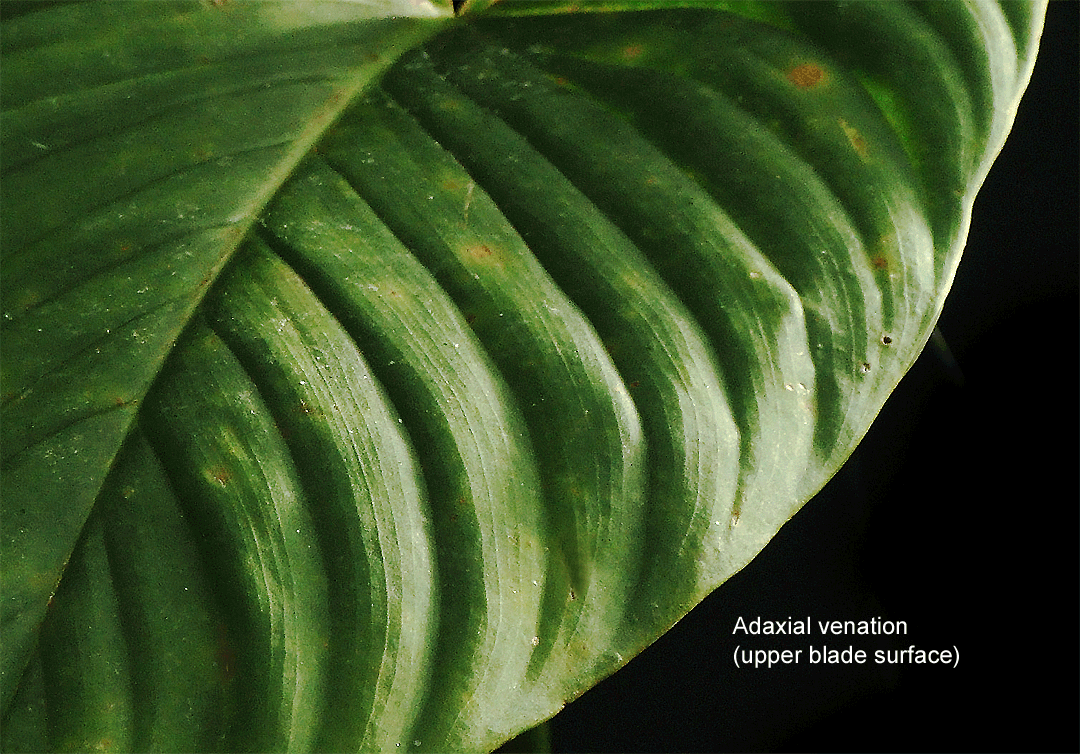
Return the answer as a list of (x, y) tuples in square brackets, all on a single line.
[(375, 381)]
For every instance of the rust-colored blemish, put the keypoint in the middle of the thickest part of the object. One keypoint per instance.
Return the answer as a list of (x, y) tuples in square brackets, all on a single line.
[(880, 262), (858, 143), (221, 475), (479, 252), (631, 52), (806, 75)]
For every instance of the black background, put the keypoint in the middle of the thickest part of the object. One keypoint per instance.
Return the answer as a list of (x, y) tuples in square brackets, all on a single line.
[(958, 514)]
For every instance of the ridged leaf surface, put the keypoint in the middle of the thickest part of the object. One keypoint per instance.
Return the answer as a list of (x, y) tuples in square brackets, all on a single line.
[(374, 379)]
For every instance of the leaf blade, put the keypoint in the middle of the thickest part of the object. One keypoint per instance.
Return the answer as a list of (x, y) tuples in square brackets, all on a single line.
[(157, 237), (762, 378)]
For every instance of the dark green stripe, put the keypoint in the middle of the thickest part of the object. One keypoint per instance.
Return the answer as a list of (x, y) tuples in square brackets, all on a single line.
[(472, 444), (231, 469), (367, 499)]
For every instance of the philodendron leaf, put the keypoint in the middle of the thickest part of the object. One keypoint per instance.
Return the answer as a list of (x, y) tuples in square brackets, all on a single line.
[(375, 379)]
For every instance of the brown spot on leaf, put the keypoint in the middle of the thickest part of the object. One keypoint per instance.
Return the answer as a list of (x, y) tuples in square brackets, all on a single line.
[(480, 253), (631, 52), (221, 475), (858, 143), (806, 75)]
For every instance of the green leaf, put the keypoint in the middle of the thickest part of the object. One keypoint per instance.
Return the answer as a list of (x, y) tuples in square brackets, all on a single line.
[(367, 387), (132, 170)]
